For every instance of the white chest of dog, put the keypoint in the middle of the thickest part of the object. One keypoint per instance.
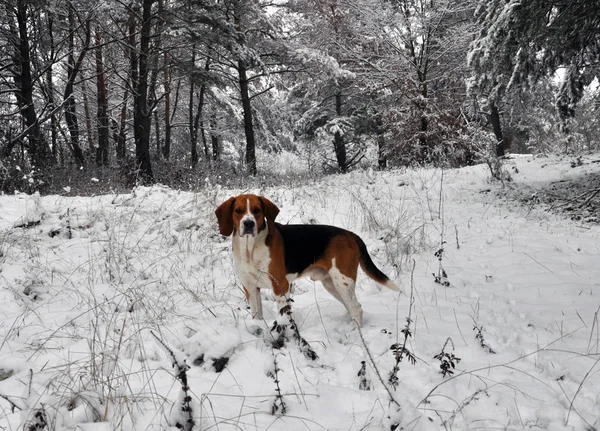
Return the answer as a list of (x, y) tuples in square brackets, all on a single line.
[(251, 260)]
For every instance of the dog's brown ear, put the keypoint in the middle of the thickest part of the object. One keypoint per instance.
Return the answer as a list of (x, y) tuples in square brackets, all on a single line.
[(269, 208), (225, 216)]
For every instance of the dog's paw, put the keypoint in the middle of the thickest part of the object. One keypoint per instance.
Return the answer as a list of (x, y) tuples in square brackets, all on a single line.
[(256, 330)]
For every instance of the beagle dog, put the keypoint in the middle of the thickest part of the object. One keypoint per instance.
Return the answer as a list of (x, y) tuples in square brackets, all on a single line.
[(269, 255)]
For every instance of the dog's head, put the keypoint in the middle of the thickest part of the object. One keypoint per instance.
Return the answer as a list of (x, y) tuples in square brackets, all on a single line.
[(245, 215)]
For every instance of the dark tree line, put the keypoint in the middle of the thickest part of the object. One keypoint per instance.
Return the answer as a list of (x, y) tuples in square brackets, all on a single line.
[(182, 85), (521, 44)]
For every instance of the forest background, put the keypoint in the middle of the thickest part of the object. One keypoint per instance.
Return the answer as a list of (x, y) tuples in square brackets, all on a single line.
[(103, 95)]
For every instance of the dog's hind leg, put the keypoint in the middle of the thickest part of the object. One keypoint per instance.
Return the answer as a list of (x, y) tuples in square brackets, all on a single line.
[(349, 299), (330, 287), (345, 292)]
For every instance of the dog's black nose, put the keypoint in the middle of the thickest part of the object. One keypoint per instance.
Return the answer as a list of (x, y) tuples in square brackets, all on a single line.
[(248, 225)]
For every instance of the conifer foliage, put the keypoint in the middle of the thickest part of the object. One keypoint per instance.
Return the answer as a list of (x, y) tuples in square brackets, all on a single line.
[(521, 42)]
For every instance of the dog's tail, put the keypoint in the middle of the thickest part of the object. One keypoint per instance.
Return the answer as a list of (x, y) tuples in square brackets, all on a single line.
[(370, 269)]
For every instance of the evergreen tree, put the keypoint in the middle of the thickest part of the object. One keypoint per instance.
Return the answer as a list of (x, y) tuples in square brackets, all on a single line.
[(520, 42)]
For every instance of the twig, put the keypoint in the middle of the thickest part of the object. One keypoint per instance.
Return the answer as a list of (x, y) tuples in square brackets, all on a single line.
[(567, 202), (392, 399), (442, 276), (479, 337), (181, 375), (458, 326), (305, 348), (13, 406), (594, 325), (540, 264), (579, 389), (462, 405), (401, 351), (278, 403), (321, 316), (590, 197), (456, 234), (490, 367)]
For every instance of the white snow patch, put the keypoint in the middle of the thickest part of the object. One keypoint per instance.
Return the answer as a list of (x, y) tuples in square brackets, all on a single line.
[(77, 309)]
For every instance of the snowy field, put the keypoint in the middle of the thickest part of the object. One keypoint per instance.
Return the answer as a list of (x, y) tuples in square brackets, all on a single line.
[(100, 295)]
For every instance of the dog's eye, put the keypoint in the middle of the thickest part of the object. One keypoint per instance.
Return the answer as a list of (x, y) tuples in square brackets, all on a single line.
[(256, 210), (239, 210)]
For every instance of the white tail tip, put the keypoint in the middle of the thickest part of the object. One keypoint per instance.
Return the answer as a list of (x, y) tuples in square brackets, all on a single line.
[(391, 285)]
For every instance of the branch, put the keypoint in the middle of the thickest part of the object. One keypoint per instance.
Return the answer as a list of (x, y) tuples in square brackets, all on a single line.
[(276, 72), (43, 120), (392, 399), (266, 90), (13, 406)]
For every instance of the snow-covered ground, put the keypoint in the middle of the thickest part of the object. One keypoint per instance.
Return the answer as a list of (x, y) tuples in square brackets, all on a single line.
[(99, 294)]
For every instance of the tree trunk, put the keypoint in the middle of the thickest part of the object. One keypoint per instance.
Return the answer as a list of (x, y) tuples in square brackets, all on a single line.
[(53, 119), (204, 141), (102, 114), (193, 130), (38, 148), (73, 69), (197, 118), (216, 151), (142, 117), (10, 144), (198, 121), (425, 145), (167, 85), (121, 147), (248, 122), (245, 96), (214, 140), (50, 86), (121, 137), (200, 114), (382, 151), (88, 116), (157, 137), (338, 140), (497, 128), (423, 137), (157, 47)]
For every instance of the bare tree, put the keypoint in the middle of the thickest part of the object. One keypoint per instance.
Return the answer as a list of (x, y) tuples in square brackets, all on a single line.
[(142, 113), (18, 19), (102, 98), (74, 66)]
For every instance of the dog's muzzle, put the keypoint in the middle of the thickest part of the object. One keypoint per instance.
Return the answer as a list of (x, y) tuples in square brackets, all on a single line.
[(248, 227)]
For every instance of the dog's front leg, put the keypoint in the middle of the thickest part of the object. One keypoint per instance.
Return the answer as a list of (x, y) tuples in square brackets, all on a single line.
[(281, 289), (254, 299)]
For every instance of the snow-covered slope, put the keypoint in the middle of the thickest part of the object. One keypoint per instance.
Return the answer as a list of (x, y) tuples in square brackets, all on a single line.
[(100, 295)]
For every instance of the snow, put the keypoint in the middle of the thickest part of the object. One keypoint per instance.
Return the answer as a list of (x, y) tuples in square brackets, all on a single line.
[(85, 285)]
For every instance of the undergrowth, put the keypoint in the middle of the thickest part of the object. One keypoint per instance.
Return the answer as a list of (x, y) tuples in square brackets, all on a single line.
[(96, 291)]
